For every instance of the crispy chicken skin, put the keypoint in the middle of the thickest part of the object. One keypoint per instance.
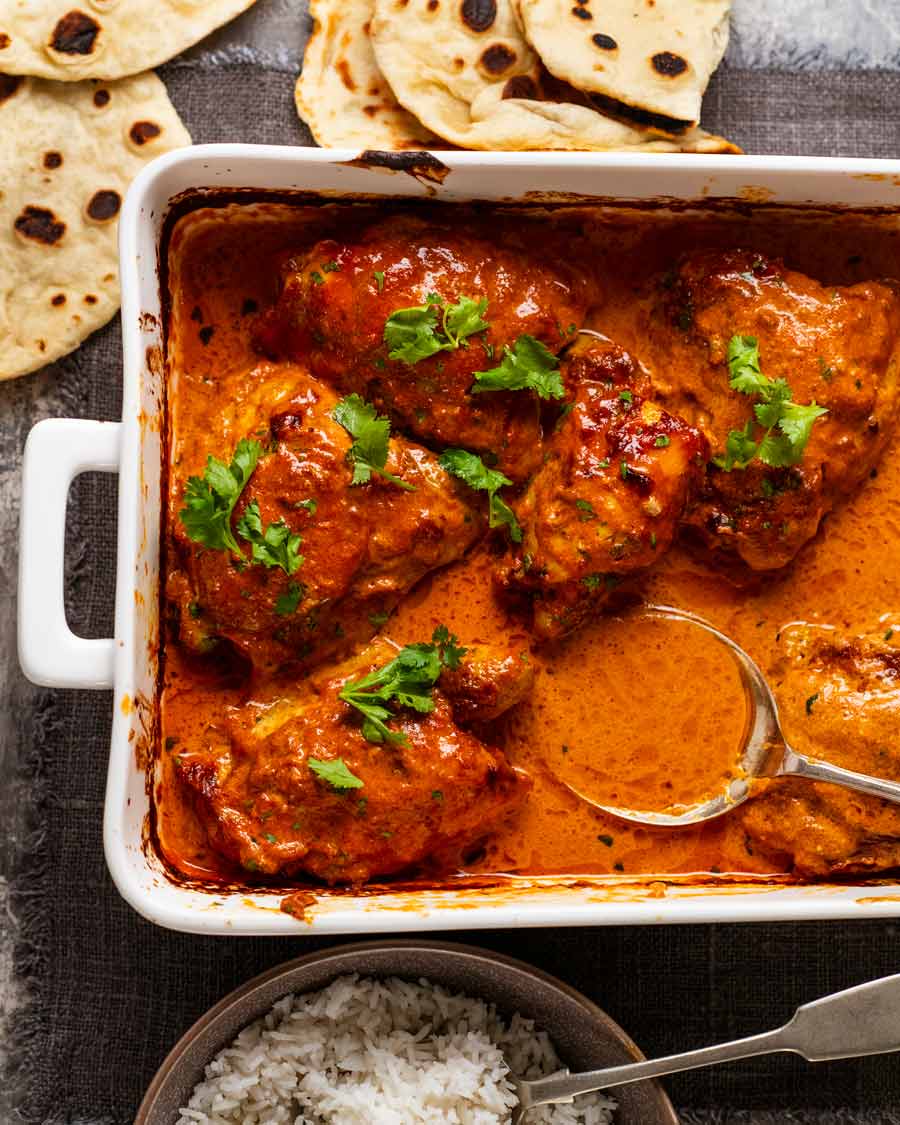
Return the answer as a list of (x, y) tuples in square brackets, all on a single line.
[(333, 319), (427, 801), (363, 546), (836, 346), (606, 502), (839, 696)]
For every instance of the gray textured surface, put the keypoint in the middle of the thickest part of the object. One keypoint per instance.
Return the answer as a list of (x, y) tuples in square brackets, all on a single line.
[(109, 992)]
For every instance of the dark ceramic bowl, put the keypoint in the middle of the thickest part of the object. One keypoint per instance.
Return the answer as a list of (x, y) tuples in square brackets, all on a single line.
[(585, 1037)]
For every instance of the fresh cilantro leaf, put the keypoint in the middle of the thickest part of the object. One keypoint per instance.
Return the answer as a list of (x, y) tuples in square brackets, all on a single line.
[(775, 412), (310, 505), (500, 514), (408, 679), (335, 772), (740, 449), (277, 545), (528, 365), (287, 602), (411, 334), (464, 319), (470, 468), (209, 500), (796, 422), (449, 648), (424, 330), (371, 434)]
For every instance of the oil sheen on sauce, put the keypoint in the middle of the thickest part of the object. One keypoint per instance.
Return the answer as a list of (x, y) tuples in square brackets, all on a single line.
[(641, 715)]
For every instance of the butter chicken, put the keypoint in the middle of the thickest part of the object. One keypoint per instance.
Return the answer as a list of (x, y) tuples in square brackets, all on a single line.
[(421, 464)]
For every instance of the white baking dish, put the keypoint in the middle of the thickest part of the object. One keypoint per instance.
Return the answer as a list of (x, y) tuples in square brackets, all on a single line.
[(58, 450)]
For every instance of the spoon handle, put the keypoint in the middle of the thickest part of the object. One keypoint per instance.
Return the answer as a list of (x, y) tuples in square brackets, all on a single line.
[(798, 765), (547, 1090)]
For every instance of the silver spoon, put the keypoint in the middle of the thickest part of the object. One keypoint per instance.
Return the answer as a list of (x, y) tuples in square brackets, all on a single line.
[(766, 752), (859, 1021)]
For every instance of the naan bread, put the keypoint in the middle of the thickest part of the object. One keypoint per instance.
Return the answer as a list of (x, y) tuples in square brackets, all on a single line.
[(67, 154), (465, 70), (107, 39), (342, 95), (654, 56)]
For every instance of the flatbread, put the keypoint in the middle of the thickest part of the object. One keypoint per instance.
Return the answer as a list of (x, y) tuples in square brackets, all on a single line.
[(67, 154), (466, 71), (342, 95), (654, 56), (73, 39)]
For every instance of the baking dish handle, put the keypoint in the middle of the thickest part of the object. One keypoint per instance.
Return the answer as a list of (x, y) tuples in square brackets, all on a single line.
[(56, 452)]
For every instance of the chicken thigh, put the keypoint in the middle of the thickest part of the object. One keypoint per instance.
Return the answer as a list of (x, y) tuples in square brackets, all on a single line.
[(357, 547), (292, 784), (833, 346), (606, 502), (337, 299), (838, 697)]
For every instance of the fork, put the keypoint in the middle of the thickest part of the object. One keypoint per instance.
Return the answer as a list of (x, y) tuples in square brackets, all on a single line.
[(858, 1021)]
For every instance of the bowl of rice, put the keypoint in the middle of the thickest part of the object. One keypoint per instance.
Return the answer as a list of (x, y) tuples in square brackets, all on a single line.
[(395, 1033)]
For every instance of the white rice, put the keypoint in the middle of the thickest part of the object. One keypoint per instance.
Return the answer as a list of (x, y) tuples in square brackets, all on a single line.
[(381, 1052)]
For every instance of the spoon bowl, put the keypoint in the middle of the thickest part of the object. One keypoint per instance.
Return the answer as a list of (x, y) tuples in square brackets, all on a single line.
[(765, 752)]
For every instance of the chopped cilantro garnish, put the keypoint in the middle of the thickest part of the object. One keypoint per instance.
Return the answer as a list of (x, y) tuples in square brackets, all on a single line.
[(371, 434), (607, 840), (787, 425), (809, 703), (627, 397), (316, 277), (379, 619), (335, 772), (470, 468), (424, 330), (379, 280), (277, 545), (268, 836), (310, 506), (587, 510), (662, 441), (408, 679), (288, 601), (331, 267), (528, 365), (209, 500)]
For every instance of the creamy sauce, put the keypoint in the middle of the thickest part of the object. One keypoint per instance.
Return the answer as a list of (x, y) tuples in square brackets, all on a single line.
[(642, 715)]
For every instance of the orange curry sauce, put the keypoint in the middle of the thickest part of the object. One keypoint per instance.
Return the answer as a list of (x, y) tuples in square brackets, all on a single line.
[(634, 712)]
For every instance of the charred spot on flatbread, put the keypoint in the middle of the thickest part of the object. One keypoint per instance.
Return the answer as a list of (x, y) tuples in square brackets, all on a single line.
[(75, 34), (40, 224), (143, 131), (582, 13), (668, 64), (4, 40), (57, 300), (497, 59), (342, 66), (9, 84), (52, 159), (521, 86), (478, 15), (604, 42), (101, 98), (90, 299), (104, 205), (433, 5)]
